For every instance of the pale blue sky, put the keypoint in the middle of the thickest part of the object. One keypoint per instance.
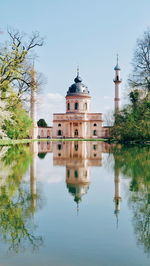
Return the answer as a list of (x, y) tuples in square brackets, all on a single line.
[(84, 32)]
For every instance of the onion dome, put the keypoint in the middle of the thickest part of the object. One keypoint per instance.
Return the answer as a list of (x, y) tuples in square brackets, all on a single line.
[(78, 87)]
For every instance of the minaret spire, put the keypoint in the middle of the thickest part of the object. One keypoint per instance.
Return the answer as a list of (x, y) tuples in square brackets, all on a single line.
[(117, 59), (77, 70), (117, 81)]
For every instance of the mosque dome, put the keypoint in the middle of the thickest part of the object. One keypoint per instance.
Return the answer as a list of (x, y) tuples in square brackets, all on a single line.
[(78, 87)]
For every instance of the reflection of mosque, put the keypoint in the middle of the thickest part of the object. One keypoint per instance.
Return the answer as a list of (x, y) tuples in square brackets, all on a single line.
[(79, 157)]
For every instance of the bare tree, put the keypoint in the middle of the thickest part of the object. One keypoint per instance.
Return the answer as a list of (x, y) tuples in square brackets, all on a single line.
[(140, 77), (15, 62)]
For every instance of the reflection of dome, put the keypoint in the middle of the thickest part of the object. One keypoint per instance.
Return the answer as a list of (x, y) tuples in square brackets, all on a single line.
[(78, 87), (77, 191)]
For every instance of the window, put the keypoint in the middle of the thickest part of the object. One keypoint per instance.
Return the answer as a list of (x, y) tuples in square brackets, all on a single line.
[(68, 173), (94, 133), (76, 106), (59, 133), (76, 174), (95, 125), (76, 147), (59, 125), (94, 147), (59, 147), (68, 106), (59, 154), (76, 132), (85, 106)]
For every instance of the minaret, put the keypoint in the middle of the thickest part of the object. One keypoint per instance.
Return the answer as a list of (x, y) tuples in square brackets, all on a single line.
[(33, 99), (33, 172), (117, 81), (117, 197)]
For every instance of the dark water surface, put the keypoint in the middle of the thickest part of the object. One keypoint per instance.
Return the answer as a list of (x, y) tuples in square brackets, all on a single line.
[(74, 203)]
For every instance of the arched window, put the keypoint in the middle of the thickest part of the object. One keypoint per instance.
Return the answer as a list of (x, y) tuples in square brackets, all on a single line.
[(94, 147), (95, 125), (59, 125), (68, 106), (94, 133), (42, 133), (76, 132), (85, 106), (59, 133), (76, 174), (76, 106), (59, 146), (76, 147)]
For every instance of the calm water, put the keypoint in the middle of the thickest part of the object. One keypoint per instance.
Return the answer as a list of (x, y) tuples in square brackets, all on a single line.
[(74, 203)]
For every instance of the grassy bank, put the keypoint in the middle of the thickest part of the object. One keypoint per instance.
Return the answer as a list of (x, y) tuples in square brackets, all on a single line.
[(25, 141)]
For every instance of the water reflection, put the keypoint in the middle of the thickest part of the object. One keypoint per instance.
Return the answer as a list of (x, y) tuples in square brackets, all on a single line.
[(78, 157), (20, 200), (17, 201), (134, 163)]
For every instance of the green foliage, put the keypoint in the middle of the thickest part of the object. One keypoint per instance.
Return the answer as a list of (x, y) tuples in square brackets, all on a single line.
[(42, 123), (134, 162), (16, 224), (15, 82), (133, 122), (20, 125)]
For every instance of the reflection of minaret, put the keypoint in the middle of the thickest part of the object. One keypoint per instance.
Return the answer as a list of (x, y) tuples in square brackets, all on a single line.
[(117, 197), (117, 82), (34, 151)]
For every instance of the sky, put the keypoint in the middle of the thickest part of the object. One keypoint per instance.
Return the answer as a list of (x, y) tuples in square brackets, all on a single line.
[(88, 33)]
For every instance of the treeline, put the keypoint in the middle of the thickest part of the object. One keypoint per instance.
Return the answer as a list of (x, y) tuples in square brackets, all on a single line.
[(16, 68), (132, 123)]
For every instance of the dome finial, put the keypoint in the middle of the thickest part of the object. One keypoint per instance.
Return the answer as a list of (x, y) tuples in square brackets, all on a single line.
[(77, 70), (117, 59), (117, 65)]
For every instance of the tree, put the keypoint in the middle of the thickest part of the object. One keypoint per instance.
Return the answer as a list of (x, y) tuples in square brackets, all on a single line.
[(140, 77), (16, 82), (42, 123), (15, 61), (133, 121)]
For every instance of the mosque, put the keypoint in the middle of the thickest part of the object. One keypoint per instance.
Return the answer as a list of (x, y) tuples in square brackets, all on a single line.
[(78, 121)]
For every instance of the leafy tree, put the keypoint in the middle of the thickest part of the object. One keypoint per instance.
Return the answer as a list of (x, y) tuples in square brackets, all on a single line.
[(42, 123), (132, 123), (16, 82)]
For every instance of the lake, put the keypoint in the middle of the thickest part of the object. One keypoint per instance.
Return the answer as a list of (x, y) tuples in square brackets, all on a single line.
[(74, 203)]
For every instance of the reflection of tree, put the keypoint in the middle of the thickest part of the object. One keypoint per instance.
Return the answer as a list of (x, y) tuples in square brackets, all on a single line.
[(134, 162), (16, 223)]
